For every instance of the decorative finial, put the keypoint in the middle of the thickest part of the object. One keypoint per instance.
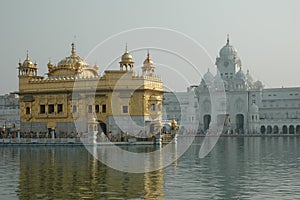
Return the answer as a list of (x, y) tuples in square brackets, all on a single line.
[(27, 55), (148, 56), (227, 39), (73, 49), (126, 51)]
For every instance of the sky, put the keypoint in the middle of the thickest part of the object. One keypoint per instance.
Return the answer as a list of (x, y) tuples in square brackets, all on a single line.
[(265, 33)]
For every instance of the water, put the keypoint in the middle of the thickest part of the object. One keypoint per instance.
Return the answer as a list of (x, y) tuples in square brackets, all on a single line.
[(237, 168)]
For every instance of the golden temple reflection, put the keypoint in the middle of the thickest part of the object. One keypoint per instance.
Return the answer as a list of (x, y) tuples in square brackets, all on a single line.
[(68, 172)]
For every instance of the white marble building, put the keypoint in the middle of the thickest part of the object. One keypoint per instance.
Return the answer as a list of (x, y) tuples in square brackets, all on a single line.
[(249, 107), (9, 110), (183, 107)]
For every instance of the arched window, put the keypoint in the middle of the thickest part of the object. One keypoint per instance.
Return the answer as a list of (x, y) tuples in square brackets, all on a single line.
[(297, 129), (240, 123), (269, 129), (27, 110), (263, 129), (152, 107), (291, 129), (284, 129), (276, 129)]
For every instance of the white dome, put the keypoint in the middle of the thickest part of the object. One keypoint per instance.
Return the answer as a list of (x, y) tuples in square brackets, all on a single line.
[(258, 85), (208, 76), (240, 75), (228, 50)]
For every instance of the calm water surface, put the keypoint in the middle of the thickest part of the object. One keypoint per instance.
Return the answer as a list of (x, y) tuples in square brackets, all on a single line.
[(237, 168)]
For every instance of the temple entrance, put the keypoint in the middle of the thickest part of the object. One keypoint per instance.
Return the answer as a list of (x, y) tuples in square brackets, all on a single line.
[(240, 123), (206, 120), (102, 126)]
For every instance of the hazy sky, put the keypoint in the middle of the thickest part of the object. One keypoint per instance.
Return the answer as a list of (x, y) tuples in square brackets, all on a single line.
[(265, 33)]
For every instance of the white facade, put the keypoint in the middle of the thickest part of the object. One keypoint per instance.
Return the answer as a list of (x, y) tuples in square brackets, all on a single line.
[(183, 107), (9, 110), (249, 107)]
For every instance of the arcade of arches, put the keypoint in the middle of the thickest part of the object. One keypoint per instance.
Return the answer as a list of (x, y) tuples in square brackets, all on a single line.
[(285, 129), (264, 129)]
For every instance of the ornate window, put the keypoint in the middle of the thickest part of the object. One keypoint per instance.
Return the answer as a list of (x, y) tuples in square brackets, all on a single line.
[(153, 107)]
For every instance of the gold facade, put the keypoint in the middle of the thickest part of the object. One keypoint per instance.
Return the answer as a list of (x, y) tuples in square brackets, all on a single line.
[(74, 91)]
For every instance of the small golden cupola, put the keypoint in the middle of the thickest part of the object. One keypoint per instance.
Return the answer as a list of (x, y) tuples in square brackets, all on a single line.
[(27, 68), (50, 65), (148, 67), (126, 61)]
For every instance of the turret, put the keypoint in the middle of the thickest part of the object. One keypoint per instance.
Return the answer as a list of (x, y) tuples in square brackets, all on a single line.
[(126, 62), (148, 67), (27, 68)]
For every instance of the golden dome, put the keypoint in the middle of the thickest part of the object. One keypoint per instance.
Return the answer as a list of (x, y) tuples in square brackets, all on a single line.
[(27, 62), (148, 60), (148, 68), (126, 57), (73, 61), (72, 65)]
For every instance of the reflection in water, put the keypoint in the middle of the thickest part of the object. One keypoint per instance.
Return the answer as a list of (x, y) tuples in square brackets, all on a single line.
[(237, 168), (71, 172), (9, 172)]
